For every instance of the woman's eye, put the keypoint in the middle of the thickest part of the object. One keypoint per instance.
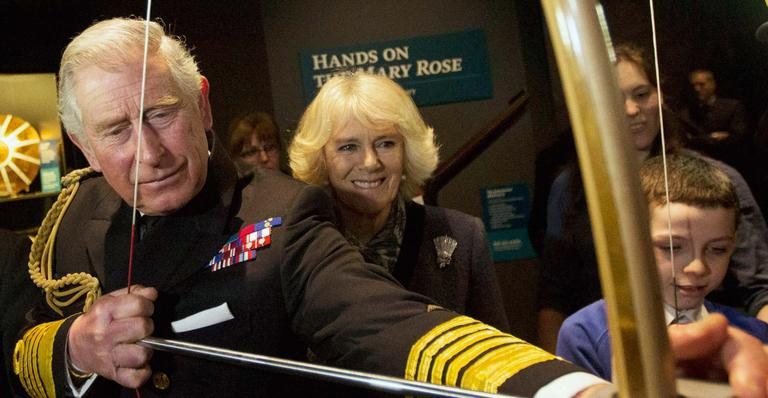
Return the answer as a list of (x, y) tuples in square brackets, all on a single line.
[(719, 250), (347, 148), (668, 248), (386, 144)]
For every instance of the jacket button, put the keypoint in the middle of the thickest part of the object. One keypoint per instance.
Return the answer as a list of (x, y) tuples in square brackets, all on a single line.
[(161, 381)]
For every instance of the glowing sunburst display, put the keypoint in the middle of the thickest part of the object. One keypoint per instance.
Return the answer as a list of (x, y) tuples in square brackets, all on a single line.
[(19, 155)]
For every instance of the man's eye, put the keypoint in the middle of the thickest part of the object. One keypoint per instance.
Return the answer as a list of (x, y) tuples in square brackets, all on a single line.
[(115, 131), (159, 116)]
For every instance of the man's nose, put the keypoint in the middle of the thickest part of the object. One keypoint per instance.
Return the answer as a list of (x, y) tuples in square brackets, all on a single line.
[(151, 147)]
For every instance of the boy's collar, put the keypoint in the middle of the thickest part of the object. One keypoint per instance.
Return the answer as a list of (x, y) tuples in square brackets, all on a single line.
[(685, 316)]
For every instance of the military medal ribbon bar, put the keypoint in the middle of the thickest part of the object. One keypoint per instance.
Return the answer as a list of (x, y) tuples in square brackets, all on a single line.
[(242, 246)]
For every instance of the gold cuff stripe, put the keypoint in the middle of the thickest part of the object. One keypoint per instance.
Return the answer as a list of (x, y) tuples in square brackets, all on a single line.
[(456, 366), (33, 359), (37, 356), (443, 359), (446, 347), (418, 351), (463, 352), (494, 367), (32, 352)]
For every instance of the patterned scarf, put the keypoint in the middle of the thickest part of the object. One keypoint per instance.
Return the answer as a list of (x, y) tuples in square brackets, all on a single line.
[(384, 247)]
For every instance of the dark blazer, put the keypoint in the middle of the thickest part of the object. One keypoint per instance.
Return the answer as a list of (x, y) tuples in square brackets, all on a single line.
[(724, 114), (468, 285), (309, 289)]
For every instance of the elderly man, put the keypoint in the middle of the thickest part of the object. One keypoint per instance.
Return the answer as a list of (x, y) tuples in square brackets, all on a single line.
[(251, 264)]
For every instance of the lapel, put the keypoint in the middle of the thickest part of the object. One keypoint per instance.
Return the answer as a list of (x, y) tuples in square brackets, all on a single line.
[(412, 239), (417, 266), (95, 228)]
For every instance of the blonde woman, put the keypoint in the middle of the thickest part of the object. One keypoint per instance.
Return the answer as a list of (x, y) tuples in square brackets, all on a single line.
[(364, 139)]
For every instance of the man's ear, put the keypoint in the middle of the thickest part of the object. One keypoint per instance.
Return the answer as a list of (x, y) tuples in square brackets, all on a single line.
[(204, 104), (82, 144)]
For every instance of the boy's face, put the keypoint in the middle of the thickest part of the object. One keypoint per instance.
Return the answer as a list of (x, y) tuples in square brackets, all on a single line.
[(702, 243)]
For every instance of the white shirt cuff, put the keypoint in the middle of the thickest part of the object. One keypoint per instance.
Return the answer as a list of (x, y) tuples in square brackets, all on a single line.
[(569, 385), (77, 392)]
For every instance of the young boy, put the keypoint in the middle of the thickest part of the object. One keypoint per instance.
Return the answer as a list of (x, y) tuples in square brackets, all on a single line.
[(703, 208)]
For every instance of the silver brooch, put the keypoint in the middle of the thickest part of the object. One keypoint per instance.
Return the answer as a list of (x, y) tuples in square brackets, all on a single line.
[(444, 246)]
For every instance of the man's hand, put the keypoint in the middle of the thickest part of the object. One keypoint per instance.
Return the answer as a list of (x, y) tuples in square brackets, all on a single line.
[(708, 348), (103, 340)]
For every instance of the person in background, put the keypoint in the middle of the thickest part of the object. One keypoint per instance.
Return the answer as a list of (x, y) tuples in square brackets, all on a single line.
[(255, 142), (364, 139), (569, 257), (715, 126), (550, 162), (703, 213)]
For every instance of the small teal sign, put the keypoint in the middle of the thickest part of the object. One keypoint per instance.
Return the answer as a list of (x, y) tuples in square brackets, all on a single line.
[(506, 210), (50, 174), (451, 67)]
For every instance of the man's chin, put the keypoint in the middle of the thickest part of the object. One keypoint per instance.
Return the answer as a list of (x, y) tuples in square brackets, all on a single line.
[(162, 205)]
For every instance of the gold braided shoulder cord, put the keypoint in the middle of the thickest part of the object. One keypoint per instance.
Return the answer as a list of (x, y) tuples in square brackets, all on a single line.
[(41, 256)]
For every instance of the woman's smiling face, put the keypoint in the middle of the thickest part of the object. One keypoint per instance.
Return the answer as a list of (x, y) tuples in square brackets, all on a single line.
[(365, 167), (641, 105)]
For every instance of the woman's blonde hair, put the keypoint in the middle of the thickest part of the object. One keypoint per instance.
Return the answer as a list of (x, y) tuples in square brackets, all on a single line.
[(377, 103)]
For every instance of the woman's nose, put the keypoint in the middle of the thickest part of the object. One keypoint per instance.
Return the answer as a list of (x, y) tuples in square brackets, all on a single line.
[(630, 107), (371, 158)]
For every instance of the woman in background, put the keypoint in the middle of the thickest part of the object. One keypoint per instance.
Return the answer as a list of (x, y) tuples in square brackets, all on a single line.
[(254, 142), (363, 138)]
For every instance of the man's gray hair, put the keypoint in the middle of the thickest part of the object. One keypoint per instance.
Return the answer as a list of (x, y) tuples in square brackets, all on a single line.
[(114, 42)]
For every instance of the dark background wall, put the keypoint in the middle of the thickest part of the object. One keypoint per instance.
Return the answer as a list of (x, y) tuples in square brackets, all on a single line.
[(249, 52)]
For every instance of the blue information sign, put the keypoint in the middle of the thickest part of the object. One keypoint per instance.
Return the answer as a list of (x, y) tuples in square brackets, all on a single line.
[(438, 69), (505, 213)]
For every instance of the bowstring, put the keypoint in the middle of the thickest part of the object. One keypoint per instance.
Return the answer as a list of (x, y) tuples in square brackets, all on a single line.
[(138, 146), (659, 96), (138, 154)]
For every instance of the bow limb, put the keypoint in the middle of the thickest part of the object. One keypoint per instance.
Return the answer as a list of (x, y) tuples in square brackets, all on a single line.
[(642, 360)]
